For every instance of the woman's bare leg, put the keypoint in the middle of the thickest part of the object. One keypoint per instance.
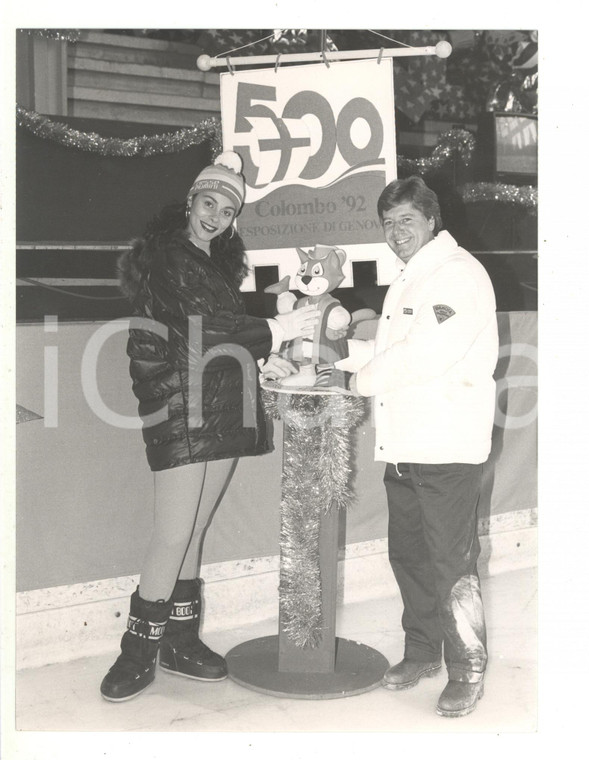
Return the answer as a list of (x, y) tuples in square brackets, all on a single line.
[(185, 498), (218, 477)]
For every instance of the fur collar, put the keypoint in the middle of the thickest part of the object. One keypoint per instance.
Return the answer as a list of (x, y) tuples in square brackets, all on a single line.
[(135, 263), (138, 260)]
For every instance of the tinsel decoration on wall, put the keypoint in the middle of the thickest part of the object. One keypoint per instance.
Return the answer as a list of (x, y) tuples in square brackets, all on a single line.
[(91, 142), (478, 192), (316, 477), (63, 35), (455, 143)]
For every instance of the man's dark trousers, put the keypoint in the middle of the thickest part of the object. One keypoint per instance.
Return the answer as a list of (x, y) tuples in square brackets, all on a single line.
[(433, 550)]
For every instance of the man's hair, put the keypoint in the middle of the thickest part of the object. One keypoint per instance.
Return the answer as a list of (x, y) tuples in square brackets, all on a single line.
[(411, 190)]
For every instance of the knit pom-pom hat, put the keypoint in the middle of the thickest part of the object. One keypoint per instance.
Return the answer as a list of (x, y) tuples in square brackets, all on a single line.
[(223, 176)]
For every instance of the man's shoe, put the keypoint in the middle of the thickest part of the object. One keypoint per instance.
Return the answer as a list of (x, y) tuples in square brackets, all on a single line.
[(459, 698), (407, 674)]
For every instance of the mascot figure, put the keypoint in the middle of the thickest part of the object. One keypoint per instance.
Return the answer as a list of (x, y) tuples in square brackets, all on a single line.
[(320, 273)]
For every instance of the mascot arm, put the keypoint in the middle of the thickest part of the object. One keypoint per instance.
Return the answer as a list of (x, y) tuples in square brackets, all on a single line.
[(285, 302), (339, 318)]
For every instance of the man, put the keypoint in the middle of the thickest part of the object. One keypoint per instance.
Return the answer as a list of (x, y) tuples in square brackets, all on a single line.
[(430, 372)]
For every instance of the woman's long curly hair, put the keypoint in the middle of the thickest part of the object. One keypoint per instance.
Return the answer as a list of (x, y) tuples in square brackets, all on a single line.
[(227, 249)]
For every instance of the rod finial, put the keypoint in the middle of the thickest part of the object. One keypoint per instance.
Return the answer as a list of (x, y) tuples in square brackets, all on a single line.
[(203, 62), (443, 49)]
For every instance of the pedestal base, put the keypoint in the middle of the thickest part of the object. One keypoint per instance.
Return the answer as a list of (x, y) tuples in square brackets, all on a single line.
[(358, 668)]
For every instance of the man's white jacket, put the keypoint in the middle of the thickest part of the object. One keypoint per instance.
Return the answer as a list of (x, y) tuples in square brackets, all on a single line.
[(430, 367)]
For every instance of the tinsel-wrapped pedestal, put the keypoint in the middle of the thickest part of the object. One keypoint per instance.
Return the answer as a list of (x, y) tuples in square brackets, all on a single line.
[(306, 660)]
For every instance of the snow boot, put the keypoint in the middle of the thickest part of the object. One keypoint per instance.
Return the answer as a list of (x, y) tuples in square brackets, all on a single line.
[(134, 668), (181, 650), (407, 674), (459, 698)]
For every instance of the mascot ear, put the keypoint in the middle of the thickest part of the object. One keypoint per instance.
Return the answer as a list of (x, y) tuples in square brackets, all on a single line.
[(303, 256), (341, 255)]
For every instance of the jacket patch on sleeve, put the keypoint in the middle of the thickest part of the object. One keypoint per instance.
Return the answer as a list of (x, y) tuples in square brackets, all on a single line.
[(443, 312)]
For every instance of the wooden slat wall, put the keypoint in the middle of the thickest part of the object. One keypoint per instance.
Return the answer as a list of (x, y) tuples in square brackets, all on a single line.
[(141, 80), (125, 78)]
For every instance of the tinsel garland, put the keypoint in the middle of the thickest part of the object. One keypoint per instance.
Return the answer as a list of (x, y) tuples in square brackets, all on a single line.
[(316, 478), (170, 142), (455, 142), (476, 192), (64, 35)]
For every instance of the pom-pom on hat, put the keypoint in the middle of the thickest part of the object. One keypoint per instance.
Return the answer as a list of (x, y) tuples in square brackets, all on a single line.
[(223, 176)]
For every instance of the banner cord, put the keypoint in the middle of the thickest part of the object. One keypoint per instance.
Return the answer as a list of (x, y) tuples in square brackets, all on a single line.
[(249, 44), (263, 39), (390, 39)]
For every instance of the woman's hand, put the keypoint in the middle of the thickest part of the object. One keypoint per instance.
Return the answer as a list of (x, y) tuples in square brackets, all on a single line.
[(277, 368), (298, 323)]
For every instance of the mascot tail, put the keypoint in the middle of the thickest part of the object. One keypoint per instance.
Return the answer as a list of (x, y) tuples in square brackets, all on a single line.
[(279, 287)]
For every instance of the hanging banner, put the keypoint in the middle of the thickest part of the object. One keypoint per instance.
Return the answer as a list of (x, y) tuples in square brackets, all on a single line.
[(318, 147)]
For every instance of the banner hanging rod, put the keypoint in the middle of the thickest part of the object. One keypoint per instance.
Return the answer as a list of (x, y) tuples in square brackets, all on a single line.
[(206, 63)]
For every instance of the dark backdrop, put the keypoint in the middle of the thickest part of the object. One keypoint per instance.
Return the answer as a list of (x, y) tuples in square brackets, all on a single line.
[(66, 194)]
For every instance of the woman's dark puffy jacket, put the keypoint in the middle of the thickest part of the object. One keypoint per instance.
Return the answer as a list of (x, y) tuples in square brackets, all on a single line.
[(168, 279)]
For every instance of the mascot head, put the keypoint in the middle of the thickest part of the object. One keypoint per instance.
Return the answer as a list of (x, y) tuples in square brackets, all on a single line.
[(321, 270)]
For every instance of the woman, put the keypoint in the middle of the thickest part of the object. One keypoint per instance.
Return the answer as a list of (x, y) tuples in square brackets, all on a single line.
[(200, 413)]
